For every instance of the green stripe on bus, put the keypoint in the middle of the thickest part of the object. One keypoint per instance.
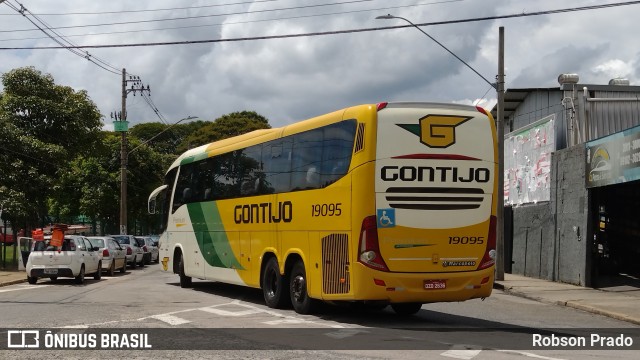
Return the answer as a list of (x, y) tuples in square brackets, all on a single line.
[(194, 158), (212, 239)]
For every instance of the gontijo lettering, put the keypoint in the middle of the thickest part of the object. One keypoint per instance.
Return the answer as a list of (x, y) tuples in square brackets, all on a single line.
[(438, 173), (263, 213)]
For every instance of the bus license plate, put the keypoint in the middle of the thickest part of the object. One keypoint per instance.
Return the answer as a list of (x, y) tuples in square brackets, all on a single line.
[(51, 271), (435, 284)]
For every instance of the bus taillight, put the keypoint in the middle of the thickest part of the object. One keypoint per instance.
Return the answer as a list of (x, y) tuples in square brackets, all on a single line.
[(381, 106), (482, 110), (369, 253), (489, 257)]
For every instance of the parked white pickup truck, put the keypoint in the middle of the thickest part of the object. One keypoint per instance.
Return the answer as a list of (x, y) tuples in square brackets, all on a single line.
[(75, 258)]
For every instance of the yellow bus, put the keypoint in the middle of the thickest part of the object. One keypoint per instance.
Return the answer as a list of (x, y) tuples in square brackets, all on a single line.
[(388, 204)]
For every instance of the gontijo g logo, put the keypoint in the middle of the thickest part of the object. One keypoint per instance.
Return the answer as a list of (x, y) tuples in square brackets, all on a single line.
[(436, 131)]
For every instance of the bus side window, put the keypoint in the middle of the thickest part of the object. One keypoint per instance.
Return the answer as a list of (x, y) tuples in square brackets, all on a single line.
[(337, 147), (276, 166), (186, 195), (307, 158)]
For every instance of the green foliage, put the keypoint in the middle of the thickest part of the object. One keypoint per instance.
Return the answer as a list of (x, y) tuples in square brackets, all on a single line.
[(229, 125), (57, 164), (43, 126), (51, 113)]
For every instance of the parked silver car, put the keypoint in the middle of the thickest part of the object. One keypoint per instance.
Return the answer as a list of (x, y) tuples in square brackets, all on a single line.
[(135, 254), (152, 246), (113, 255), (146, 254)]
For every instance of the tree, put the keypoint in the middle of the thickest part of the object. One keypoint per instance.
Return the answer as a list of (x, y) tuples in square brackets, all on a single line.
[(226, 126), (43, 127), (168, 140), (53, 114)]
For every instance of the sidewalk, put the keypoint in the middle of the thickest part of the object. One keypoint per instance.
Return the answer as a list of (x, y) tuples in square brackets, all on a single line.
[(617, 301), (621, 302), (12, 277)]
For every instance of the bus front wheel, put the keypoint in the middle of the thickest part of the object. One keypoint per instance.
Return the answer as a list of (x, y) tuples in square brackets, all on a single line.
[(185, 281), (300, 299), (273, 285)]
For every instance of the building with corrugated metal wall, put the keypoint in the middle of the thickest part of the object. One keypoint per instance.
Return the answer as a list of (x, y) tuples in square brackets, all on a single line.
[(572, 181)]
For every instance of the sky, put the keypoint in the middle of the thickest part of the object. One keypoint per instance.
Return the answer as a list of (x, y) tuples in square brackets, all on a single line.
[(295, 78)]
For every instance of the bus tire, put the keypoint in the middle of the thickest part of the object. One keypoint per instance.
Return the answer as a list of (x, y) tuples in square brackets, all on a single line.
[(406, 309), (185, 281), (300, 299), (273, 285)]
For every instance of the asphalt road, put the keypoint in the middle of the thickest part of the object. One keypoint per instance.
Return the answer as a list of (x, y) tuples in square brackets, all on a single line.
[(214, 320)]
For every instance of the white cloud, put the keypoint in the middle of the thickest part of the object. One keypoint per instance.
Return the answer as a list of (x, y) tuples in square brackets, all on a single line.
[(614, 68), (296, 78)]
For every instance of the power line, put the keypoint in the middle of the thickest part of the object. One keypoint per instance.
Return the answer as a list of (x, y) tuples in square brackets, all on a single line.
[(243, 22), (71, 46), (212, 15), (191, 42), (149, 10)]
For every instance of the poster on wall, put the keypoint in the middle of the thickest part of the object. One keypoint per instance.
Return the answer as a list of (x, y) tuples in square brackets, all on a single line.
[(614, 159), (527, 162)]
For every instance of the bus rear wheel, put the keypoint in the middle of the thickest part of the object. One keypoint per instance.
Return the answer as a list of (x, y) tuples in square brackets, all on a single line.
[(300, 299), (273, 285), (185, 281), (406, 308)]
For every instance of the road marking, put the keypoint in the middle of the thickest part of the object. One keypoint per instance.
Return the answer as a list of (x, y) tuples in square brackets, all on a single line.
[(221, 312), (529, 354), (285, 321), (24, 287), (461, 354), (170, 319), (345, 333)]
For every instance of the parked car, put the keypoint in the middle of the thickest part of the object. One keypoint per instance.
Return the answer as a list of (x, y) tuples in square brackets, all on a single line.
[(134, 252), (152, 246), (75, 258), (146, 255), (114, 257)]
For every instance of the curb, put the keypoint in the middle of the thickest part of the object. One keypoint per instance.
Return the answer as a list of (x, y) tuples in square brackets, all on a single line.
[(498, 286), (593, 310), (570, 304), (13, 282)]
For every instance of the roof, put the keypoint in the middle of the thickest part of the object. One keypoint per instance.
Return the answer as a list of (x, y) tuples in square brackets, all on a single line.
[(514, 97)]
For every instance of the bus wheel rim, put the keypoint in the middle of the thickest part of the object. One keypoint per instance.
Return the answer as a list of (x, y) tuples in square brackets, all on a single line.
[(298, 288)]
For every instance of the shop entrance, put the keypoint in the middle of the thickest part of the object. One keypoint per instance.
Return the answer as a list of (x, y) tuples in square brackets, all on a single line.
[(616, 235)]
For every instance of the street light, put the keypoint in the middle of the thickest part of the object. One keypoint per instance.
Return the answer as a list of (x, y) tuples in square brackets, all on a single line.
[(499, 86), (124, 156), (389, 16)]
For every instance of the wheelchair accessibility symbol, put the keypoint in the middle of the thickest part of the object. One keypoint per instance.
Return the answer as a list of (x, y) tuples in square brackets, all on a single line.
[(386, 218)]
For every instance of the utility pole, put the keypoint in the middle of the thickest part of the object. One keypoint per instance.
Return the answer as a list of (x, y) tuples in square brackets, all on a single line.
[(500, 131), (121, 125)]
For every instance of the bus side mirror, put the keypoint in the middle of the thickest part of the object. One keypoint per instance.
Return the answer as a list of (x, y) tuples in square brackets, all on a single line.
[(152, 206)]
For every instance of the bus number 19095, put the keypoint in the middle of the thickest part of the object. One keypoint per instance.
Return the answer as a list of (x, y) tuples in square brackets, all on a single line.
[(326, 209), (453, 240)]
